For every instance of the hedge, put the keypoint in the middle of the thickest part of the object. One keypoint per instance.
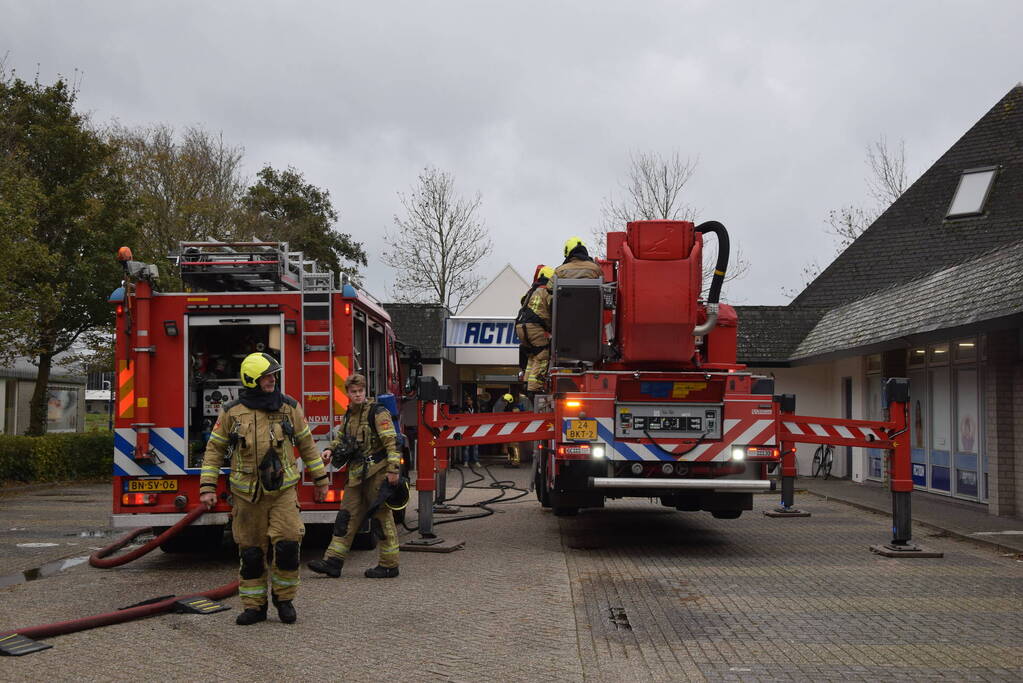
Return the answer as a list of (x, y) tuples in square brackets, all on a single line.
[(56, 457)]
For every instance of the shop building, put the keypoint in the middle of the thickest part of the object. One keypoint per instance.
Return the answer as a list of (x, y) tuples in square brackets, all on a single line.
[(933, 291)]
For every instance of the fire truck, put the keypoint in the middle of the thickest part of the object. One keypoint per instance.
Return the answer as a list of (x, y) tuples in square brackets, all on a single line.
[(646, 397), (177, 362)]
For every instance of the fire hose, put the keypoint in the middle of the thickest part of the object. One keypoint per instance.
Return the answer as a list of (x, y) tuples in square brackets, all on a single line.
[(101, 559)]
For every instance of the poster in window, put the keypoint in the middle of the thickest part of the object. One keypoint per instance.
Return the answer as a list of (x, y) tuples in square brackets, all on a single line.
[(966, 405), (61, 410)]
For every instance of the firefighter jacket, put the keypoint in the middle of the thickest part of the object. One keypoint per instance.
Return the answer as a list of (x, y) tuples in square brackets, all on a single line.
[(247, 435), (539, 302), (378, 447), (576, 268)]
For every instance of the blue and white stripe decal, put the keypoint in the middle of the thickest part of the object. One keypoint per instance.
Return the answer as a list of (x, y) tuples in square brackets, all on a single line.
[(168, 442), (632, 451)]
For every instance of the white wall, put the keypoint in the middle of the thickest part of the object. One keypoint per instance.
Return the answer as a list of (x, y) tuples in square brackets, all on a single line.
[(818, 390)]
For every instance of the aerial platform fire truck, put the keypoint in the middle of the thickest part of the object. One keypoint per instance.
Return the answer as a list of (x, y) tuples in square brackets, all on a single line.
[(646, 397), (178, 357)]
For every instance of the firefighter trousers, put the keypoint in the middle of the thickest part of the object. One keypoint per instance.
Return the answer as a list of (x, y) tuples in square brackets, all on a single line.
[(536, 363), (274, 520), (355, 504)]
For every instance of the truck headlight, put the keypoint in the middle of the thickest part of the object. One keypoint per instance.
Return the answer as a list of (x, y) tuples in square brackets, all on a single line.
[(738, 453), (597, 450)]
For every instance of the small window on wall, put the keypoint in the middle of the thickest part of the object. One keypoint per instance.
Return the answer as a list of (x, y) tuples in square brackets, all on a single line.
[(972, 193), (965, 350), (917, 358), (873, 363), (939, 354)]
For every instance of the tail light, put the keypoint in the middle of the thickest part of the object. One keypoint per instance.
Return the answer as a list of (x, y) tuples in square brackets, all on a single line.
[(138, 499), (333, 496)]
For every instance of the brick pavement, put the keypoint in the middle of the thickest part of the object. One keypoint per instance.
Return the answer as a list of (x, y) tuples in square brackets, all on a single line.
[(633, 592)]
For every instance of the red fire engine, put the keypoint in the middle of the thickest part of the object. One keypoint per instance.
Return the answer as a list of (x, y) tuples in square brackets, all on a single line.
[(178, 357), (647, 400)]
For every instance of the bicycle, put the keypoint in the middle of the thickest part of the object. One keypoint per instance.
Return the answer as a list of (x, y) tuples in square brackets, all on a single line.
[(823, 459)]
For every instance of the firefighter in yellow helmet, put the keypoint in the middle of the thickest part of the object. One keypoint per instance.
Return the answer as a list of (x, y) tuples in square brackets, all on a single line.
[(509, 404), (578, 263), (533, 327), (370, 451), (259, 432)]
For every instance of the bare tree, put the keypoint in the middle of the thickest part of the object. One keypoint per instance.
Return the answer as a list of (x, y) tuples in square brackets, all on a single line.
[(886, 182), (653, 190), (438, 243)]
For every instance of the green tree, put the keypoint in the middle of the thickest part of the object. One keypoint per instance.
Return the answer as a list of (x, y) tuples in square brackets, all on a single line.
[(64, 212), (282, 206), (185, 187)]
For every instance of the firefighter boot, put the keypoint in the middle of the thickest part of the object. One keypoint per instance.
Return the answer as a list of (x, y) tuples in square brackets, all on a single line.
[(285, 610), (251, 615), (379, 572), (331, 566)]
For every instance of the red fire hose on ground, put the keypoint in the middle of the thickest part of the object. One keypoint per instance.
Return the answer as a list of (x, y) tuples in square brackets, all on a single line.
[(101, 559)]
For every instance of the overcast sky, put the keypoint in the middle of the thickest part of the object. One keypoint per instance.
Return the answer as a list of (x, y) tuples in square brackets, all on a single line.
[(537, 105)]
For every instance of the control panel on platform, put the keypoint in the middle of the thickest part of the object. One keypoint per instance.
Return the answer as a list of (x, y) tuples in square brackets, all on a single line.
[(668, 420)]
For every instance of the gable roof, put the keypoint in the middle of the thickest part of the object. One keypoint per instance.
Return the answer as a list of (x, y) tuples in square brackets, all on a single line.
[(494, 296), (984, 289), (913, 238)]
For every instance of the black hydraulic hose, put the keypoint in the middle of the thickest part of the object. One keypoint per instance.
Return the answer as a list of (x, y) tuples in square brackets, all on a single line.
[(503, 487), (722, 263)]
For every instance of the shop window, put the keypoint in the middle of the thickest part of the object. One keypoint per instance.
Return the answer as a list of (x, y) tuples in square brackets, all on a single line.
[(965, 350), (939, 354), (940, 432), (967, 434)]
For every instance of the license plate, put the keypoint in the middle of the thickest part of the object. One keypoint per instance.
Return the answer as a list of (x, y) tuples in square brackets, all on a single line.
[(581, 430), (149, 485)]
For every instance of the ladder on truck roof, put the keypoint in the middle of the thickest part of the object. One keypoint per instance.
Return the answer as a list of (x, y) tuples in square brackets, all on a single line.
[(271, 267), (246, 267)]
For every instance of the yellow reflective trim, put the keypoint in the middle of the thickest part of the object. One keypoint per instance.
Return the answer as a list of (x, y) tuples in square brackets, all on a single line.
[(719, 272), (303, 433), (218, 438)]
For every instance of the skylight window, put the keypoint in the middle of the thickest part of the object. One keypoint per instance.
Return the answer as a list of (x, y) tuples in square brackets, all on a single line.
[(972, 193)]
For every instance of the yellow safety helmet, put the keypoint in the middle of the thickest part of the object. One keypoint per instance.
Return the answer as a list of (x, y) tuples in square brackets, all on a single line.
[(508, 398), (258, 365), (546, 272), (571, 243)]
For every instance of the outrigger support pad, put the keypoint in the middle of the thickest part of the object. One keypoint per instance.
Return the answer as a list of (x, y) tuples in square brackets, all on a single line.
[(16, 645)]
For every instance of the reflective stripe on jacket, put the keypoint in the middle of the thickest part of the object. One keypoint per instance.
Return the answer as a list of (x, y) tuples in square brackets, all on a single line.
[(256, 432)]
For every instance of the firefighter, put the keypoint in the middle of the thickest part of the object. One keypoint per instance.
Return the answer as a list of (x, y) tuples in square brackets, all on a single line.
[(533, 326), (259, 430), (578, 263), (374, 460), (508, 404)]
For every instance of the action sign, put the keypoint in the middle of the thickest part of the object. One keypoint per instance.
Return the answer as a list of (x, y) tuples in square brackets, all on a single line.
[(480, 333)]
